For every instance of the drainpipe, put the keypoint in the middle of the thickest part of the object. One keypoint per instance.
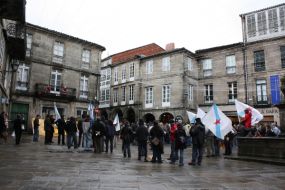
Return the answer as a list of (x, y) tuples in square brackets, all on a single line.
[(245, 75)]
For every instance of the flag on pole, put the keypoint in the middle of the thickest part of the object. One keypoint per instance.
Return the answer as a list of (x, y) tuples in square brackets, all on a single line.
[(256, 116), (200, 113), (191, 116), (90, 110), (57, 115), (217, 122), (117, 122)]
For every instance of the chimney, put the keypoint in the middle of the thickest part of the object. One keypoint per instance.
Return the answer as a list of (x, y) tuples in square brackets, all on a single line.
[(170, 46)]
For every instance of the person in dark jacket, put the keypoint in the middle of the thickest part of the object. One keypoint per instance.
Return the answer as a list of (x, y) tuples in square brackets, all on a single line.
[(18, 128), (71, 130), (126, 134), (3, 126), (80, 129), (36, 128), (180, 144), (142, 136), (156, 136), (197, 133), (48, 129), (61, 125), (98, 133), (110, 133)]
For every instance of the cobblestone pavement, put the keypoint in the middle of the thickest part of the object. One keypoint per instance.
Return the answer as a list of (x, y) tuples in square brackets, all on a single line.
[(37, 166)]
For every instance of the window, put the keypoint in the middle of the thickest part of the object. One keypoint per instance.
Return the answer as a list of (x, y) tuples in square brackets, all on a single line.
[(282, 18), (115, 96), (55, 81), (124, 73), (86, 58), (104, 96), (282, 50), (166, 64), (231, 64), (232, 91), (116, 77), (132, 71), (166, 95), (29, 39), (149, 67), (80, 112), (261, 23), (105, 78), (58, 50), (84, 87), (251, 26), (189, 64), (208, 94), (123, 95), (22, 77), (148, 97), (261, 92), (272, 19), (259, 62), (190, 92), (131, 94), (207, 67)]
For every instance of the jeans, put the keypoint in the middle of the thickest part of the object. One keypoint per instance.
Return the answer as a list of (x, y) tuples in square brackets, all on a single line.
[(142, 149), (197, 154), (71, 136), (111, 140), (36, 135), (127, 149), (181, 152), (80, 138), (173, 155), (156, 154), (62, 137)]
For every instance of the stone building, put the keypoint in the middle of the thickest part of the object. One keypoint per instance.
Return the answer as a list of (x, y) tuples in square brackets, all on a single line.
[(59, 69), (12, 46)]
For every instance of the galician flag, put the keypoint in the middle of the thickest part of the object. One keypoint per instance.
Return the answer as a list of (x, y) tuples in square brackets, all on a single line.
[(90, 110), (256, 116), (57, 115), (200, 113), (217, 122), (191, 116), (117, 123)]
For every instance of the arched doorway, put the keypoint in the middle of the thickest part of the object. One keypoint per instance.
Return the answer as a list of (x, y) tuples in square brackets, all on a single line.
[(119, 112), (148, 117), (105, 114), (131, 115), (166, 117)]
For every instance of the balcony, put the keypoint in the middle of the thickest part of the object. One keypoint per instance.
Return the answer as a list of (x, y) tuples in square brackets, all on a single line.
[(52, 92), (13, 10), (16, 47)]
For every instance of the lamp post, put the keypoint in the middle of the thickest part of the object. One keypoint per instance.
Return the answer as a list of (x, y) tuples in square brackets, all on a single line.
[(14, 65)]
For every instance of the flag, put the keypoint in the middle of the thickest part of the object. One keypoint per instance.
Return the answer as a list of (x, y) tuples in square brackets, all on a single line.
[(200, 113), (216, 121), (57, 115), (191, 116), (90, 110), (256, 116), (117, 122)]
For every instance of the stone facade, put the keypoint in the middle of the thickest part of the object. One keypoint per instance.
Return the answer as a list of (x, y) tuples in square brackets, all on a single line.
[(58, 68)]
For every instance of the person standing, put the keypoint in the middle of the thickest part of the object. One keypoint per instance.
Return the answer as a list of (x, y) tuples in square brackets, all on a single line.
[(48, 129), (18, 128), (80, 129), (98, 134), (126, 134), (156, 136), (36, 128), (142, 136), (173, 128), (197, 133), (61, 126), (3, 126), (180, 144), (110, 133), (71, 130)]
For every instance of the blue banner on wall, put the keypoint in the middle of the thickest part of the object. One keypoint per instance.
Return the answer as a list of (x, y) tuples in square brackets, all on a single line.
[(275, 89)]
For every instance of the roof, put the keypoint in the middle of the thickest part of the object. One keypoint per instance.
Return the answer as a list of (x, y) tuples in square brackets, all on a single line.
[(147, 50), (177, 50), (239, 44), (102, 48), (262, 9)]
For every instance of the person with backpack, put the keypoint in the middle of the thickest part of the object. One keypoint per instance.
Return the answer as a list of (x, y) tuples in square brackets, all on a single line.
[(180, 144), (197, 133), (110, 133)]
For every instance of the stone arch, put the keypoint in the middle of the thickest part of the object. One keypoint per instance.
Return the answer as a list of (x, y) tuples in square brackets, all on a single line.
[(149, 117), (119, 112), (131, 115), (166, 117)]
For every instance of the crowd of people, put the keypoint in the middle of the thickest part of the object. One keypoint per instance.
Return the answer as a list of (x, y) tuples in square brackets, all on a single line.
[(101, 136)]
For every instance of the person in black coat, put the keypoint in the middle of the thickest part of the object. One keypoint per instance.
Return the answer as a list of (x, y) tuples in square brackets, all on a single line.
[(18, 128), (180, 144), (71, 130), (61, 125), (110, 133), (98, 133), (142, 136), (197, 133), (156, 136), (48, 129), (126, 135)]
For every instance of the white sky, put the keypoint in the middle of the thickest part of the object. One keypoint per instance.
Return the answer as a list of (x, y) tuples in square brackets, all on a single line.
[(119, 25)]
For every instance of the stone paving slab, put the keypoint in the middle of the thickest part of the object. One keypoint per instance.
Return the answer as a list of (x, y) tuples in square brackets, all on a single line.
[(52, 167)]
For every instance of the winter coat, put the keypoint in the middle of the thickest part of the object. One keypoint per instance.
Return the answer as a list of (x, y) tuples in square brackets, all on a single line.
[(180, 139), (142, 133), (197, 132)]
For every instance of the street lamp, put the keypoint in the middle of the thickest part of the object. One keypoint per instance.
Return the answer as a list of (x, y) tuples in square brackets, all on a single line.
[(14, 65)]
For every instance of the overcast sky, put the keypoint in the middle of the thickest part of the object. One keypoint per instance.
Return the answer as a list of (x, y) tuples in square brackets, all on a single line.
[(120, 25)]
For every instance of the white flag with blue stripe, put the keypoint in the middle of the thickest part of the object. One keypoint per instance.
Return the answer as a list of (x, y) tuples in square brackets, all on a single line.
[(200, 113), (256, 116), (217, 122), (90, 110), (117, 123), (191, 117), (57, 115)]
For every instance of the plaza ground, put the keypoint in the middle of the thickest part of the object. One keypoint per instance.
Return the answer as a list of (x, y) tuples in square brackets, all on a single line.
[(46, 167)]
